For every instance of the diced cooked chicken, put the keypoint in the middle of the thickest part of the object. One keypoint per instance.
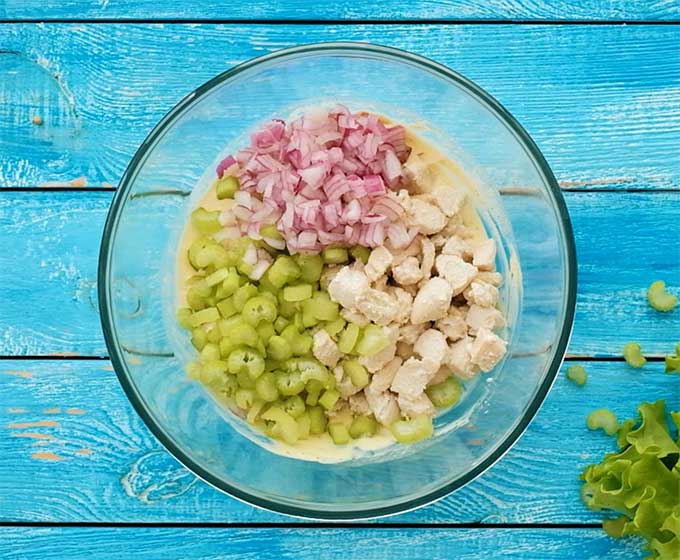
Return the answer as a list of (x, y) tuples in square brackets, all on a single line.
[(343, 383), (328, 274), (410, 333), (487, 349), (407, 272), (325, 349), (449, 199), (439, 240), (347, 286), (381, 283), (404, 350), (412, 290), (428, 258), (443, 373), (379, 307), (493, 278), (355, 317), (340, 411), (425, 216), (453, 325), (359, 404), (484, 255), (404, 303), (378, 360), (384, 406), (413, 376), (382, 380), (432, 301), (456, 271), (412, 250), (484, 317), (431, 345), (481, 293), (458, 359), (458, 247), (416, 169), (415, 406), (378, 263)]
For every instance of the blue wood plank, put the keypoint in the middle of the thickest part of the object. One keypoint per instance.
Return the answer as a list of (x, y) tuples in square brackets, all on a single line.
[(601, 101), (303, 544), (612, 10), (55, 243), (70, 439)]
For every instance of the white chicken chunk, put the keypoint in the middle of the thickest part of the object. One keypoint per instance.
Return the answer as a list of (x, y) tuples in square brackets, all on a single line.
[(358, 404), (425, 216), (410, 333), (493, 278), (481, 293), (343, 383), (443, 373), (459, 360), (376, 362), (412, 250), (416, 169), (404, 302), (484, 255), (378, 263), (415, 406), (458, 247), (383, 405), (453, 325), (413, 376), (428, 258), (404, 350), (487, 350), (407, 272), (346, 286), (431, 345), (382, 380), (325, 349), (449, 199), (479, 317), (456, 271), (379, 307), (328, 274), (432, 301), (355, 317)]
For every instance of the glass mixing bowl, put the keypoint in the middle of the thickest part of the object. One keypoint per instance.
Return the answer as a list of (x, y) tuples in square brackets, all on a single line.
[(520, 205)]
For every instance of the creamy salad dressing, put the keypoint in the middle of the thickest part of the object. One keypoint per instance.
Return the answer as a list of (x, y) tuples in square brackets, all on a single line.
[(322, 449)]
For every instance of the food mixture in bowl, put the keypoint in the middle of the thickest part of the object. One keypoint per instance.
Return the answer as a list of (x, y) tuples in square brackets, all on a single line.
[(338, 284)]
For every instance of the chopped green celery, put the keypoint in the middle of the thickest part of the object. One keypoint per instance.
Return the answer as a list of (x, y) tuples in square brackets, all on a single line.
[(280, 324), (243, 294), (287, 309), (339, 433), (210, 352), (265, 331), (197, 247), (195, 298), (317, 419), (239, 332), (226, 308), (214, 335), (311, 267), (285, 427), (445, 394), (363, 426), (312, 397), (184, 317), (254, 410), (289, 383), (356, 372), (304, 425), (294, 406), (270, 231), (297, 292), (265, 387), (322, 307), (246, 359), (211, 301), (212, 254), (659, 298), (329, 398), (672, 364), (360, 253), (603, 419), (226, 347), (334, 255), (334, 327), (372, 341), (290, 332), (203, 316), (632, 353), (279, 348), (226, 187), (298, 322), (244, 380), (212, 371), (310, 370), (244, 398), (218, 276), (271, 297), (206, 221), (284, 270), (199, 338), (194, 370), (307, 315), (258, 309), (266, 287), (348, 338), (301, 345), (230, 283), (228, 386), (577, 374), (411, 431)]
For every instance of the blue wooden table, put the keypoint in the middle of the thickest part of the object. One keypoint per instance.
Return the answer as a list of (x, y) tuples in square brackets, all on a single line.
[(81, 84)]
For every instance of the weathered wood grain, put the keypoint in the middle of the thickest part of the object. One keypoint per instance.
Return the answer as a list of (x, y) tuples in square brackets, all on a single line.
[(603, 102), (302, 544), (74, 451), (612, 10), (48, 271)]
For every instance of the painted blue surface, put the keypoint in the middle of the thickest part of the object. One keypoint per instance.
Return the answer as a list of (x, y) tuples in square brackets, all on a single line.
[(602, 102)]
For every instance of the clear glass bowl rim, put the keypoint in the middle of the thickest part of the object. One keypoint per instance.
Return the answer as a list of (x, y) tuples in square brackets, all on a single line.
[(127, 181)]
